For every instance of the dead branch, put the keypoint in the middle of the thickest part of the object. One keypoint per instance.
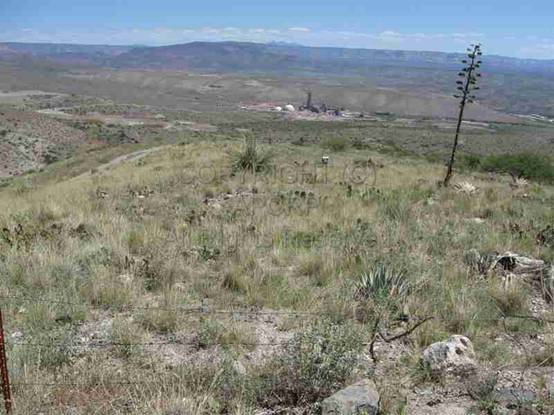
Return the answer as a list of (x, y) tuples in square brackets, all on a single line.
[(405, 332)]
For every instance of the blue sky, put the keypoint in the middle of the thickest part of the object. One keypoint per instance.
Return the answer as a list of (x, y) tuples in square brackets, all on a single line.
[(508, 27)]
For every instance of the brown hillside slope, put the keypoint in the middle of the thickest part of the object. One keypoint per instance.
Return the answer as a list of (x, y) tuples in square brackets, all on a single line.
[(29, 140)]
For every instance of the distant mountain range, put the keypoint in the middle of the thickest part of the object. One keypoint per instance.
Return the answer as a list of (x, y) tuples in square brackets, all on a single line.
[(510, 84), (256, 57)]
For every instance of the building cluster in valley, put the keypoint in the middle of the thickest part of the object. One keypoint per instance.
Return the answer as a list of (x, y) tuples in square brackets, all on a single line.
[(307, 110)]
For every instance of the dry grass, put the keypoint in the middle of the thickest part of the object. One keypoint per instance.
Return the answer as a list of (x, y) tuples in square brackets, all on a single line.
[(103, 243)]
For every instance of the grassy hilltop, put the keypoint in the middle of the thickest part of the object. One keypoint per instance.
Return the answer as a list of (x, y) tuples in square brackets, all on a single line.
[(119, 252)]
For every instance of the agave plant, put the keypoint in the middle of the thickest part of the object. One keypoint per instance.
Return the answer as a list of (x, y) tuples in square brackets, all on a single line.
[(466, 188), (251, 159), (466, 85), (518, 182), (382, 283)]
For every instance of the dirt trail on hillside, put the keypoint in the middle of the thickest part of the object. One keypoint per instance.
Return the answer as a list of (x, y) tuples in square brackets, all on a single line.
[(137, 155)]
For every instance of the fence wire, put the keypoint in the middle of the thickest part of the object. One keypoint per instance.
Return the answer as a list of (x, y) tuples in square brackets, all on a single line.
[(203, 310)]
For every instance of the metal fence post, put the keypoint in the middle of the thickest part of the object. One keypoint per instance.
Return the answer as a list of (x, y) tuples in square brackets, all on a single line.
[(6, 392)]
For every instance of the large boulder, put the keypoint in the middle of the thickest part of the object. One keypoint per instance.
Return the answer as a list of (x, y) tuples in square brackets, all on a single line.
[(357, 399), (510, 265), (453, 356)]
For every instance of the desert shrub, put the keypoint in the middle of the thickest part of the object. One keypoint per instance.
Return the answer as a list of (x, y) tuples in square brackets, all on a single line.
[(335, 143), (91, 256), (311, 265), (135, 240), (300, 240), (396, 204), (470, 161), (125, 335), (542, 357), (51, 157), (484, 393), (215, 388), (530, 166), (159, 320), (234, 279), (212, 332), (315, 363), (359, 143), (58, 350), (252, 159), (511, 300)]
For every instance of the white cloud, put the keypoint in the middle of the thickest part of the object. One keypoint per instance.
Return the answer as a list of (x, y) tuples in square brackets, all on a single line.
[(299, 29), (538, 48)]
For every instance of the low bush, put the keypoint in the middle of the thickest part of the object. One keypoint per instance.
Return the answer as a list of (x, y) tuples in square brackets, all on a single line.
[(530, 166), (336, 143), (316, 363)]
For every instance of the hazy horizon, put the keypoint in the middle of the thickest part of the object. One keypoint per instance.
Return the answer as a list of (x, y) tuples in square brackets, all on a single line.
[(138, 45), (505, 28)]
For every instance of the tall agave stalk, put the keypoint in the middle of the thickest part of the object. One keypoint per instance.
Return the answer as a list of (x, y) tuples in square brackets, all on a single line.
[(466, 85)]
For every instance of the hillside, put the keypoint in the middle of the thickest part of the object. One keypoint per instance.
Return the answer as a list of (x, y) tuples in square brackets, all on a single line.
[(178, 283), (29, 140), (62, 53), (177, 247)]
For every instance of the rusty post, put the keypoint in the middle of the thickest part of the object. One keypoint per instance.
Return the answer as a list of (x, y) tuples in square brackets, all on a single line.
[(6, 392)]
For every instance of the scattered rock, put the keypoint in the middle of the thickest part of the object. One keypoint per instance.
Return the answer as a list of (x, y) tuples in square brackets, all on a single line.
[(455, 356), (289, 108), (441, 409), (360, 398), (536, 271), (514, 397), (510, 265), (17, 335), (519, 264), (101, 193), (239, 194), (125, 279)]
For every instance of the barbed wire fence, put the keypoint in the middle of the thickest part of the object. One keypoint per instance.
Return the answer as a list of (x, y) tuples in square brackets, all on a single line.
[(203, 310)]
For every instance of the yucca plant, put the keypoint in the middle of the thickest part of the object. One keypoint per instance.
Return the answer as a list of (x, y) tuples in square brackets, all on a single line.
[(251, 159), (382, 283), (465, 86)]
